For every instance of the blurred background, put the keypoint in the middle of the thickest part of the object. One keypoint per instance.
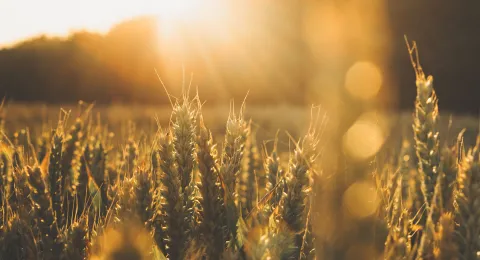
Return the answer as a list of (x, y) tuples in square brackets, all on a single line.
[(281, 52)]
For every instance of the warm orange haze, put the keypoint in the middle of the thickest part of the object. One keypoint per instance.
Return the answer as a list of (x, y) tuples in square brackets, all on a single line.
[(284, 53), (239, 129), (289, 51), (22, 19)]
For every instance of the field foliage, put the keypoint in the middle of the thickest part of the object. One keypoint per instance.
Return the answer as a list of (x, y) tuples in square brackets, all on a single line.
[(172, 190)]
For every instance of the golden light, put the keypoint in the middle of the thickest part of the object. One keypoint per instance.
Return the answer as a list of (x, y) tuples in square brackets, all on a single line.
[(21, 19), (363, 80), (205, 16), (366, 136), (361, 199), (178, 10)]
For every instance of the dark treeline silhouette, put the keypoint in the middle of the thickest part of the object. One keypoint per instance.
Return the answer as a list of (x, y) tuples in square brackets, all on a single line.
[(85, 66), (119, 66)]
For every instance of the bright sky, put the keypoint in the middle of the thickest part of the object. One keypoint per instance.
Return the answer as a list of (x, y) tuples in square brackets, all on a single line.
[(21, 19)]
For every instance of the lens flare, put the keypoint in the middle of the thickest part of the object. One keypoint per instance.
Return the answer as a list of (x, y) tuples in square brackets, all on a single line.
[(361, 199), (365, 137), (363, 80)]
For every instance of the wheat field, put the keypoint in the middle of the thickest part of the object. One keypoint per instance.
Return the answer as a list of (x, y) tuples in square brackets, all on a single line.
[(195, 182)]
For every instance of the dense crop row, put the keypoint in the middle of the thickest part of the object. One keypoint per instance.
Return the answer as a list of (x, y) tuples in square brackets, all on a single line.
[(72, 194)]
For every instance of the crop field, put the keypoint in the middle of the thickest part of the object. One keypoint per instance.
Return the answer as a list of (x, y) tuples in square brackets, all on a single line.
[(239, 130), (239, 182)]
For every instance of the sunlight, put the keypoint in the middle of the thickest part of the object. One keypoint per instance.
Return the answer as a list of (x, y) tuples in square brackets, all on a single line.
[(61, 17), (207, 16), (21, 19), (179, 10)]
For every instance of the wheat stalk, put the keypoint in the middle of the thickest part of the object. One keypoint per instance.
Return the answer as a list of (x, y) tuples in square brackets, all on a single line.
[(18, 241), (98, 173), (83, 196), (466, 203), (293, 204), (172, 210), (445, 245), (425, 128), (249, 185), (55, 175), (144, 195), (76, 242), (43, 212), (213, 212), (230, 166)]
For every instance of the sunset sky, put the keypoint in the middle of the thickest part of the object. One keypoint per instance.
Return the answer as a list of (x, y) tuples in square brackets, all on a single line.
[(21, 19)]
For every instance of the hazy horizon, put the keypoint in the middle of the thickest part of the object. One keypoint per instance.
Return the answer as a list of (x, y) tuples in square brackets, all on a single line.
[(286, 51), (60, 18)]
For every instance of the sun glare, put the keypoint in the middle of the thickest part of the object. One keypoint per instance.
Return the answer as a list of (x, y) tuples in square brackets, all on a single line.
[(207, 16), (60, 17), (178, 10)]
